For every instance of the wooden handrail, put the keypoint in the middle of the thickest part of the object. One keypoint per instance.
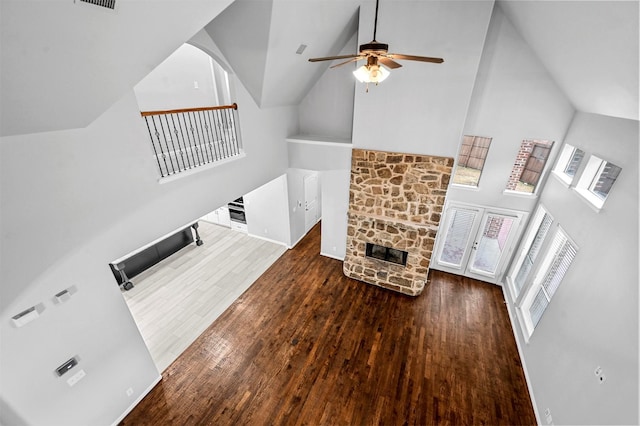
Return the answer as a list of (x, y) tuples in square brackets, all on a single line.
[(176, 111)]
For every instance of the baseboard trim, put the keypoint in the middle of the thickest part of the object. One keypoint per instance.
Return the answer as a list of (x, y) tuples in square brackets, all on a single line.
[(260, 237), (137, 401), (333, 256), (512, 320)]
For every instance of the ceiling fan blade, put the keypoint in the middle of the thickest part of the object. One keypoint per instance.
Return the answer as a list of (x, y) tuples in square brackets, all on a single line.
[(388, 62), (332, 58), (357, 58), (414, 58)]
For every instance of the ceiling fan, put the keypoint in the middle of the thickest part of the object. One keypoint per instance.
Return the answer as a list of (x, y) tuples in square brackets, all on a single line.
[(376, 54)]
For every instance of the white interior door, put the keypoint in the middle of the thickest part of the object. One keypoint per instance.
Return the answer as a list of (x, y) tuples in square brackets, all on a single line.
[(311, 213), (477, 241)]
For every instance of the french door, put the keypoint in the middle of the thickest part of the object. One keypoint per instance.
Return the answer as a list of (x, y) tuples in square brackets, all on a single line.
[(476, 241)]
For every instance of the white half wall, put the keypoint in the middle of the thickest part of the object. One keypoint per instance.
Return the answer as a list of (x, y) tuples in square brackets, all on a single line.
[(314, 154)]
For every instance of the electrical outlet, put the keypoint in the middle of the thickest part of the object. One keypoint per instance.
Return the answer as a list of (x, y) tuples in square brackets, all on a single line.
[(129, 391), (76, 378)]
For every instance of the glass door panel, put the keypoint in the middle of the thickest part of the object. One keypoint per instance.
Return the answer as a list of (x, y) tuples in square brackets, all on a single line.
[(491, 243), (460, 229), (476, 241)]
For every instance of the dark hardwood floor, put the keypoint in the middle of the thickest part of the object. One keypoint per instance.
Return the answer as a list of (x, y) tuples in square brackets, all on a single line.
[(307, 345)]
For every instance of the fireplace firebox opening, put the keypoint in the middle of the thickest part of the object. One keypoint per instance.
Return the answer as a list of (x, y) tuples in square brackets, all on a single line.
[(387, 254)]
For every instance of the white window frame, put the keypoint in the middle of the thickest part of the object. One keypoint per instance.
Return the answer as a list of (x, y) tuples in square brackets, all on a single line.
[(552, 255), (590, 176), (484, 161), (525, 249), (564, 160), (543, 174)]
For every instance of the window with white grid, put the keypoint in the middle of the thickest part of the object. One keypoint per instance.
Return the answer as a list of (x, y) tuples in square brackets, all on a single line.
[(535, 237), (550, 274)]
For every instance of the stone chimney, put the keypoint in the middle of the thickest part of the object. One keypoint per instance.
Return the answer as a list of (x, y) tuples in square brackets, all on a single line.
[(395, 204)]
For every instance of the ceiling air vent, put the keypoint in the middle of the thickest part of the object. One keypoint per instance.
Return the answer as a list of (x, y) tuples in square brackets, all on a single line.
[(109, 4)]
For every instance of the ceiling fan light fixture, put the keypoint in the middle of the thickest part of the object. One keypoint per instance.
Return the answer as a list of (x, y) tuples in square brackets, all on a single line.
[(371, 73)]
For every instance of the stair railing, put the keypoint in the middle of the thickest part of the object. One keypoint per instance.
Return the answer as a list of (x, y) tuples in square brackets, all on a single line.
[(184, 139)]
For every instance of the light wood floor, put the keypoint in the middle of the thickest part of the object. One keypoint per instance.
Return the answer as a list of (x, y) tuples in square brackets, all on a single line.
[(176, 300), (307, 345)]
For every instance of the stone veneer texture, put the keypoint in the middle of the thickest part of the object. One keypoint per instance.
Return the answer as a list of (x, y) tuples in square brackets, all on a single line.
[(395, 200)]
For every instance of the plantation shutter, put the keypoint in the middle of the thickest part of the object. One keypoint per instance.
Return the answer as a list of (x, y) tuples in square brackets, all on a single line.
[(565, 252), (562, 252), (534, 249), (538, 306), (457, 236)]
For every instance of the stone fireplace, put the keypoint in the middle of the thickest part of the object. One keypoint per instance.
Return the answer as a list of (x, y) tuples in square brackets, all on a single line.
[(395, 204)]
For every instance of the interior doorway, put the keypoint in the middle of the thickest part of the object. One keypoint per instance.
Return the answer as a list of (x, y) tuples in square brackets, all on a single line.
[(477, 241), (311, 207)]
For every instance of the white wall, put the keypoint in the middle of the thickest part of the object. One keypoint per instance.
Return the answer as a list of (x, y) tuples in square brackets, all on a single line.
[(252, 19), (319, 154), (335, 204), (421, 107), (172, 84), (74, 200), (592, 319), (267, 213), (327, 109), (514, 98)]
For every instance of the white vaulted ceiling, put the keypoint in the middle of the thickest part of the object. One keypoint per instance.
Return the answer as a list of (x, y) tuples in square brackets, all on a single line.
[(63, 63), (589, 47), (259, 38)]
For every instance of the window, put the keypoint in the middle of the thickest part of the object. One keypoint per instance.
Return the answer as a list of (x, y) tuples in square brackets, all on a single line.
[(473, 153), (568, 163), (550, 274), (596, 181), (535, 237), (529, 165)]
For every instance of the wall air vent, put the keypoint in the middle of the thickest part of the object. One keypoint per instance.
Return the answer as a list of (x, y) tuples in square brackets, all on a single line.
[(109, 4)]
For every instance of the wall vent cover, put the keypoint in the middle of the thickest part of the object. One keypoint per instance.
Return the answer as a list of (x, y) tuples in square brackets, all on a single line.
[(109, 4)]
